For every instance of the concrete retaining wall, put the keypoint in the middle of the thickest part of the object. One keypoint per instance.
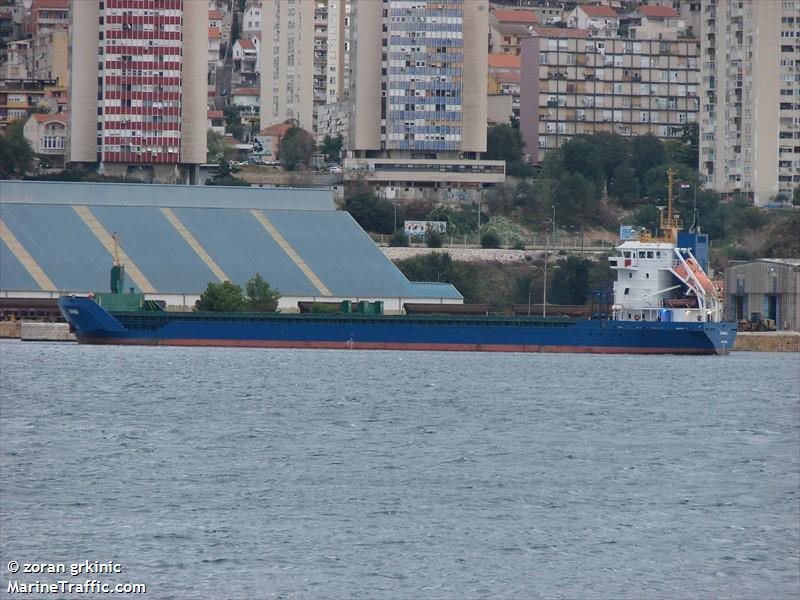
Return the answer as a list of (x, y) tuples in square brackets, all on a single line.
[(782, 341), (9, 329), (45, 332)]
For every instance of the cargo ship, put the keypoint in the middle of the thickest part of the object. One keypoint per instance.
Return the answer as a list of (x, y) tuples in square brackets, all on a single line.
[(663, 303)]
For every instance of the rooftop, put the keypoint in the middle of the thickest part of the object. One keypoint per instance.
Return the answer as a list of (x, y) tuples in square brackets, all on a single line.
[(214, 15), (246, 44), (513, 29), (561, 32), (176, 239), (280, 129), (658, 12), (245, 91), (527, 17), (598, 11), (504, 61), (213, 33), (509, 77), (50, 4), (44, 118)]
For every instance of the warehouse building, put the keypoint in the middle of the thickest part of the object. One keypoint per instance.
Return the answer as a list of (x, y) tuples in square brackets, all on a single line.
[(762, 291), (57, 238)]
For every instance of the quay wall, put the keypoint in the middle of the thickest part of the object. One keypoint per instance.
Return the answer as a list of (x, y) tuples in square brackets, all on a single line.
[(9, 329), (776, 341), (45, 332)]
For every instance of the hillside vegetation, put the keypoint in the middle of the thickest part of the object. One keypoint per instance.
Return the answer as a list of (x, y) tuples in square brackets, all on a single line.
[(592, 185)]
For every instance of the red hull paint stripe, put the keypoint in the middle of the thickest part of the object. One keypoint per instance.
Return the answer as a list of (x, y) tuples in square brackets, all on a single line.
[(395, 346)]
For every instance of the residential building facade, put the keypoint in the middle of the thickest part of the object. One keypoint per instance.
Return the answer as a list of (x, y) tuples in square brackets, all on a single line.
[(251, 18), (138, 87), (582, 84), (750, 90), (507, 27), (428, 125), (302, 59), (50, 54), (47, 135), (19, 96)]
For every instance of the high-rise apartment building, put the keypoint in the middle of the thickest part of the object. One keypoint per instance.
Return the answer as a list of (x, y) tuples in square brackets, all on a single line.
[(418, 93), (302, 59), (573, 83), (138, 87), (750, 90)]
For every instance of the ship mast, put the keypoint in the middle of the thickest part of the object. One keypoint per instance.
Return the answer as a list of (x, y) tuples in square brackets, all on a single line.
[(116, 249), (670, 223)]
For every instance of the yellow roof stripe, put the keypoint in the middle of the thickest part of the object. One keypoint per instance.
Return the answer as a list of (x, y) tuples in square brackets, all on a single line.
[(16, 247), (195, 245), (294, 256), (99, 231)]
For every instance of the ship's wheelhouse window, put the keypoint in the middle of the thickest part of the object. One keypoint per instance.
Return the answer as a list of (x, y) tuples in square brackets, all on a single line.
[(627, 254), (649, 254), (627, 290), (647, 275), (658, 253), (630, 276), (641, 253)]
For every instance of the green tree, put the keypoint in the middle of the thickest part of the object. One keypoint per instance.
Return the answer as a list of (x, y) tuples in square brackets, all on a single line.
[(504, 142), (433, 239), (624, 184), (217, 149), (260, 296), (612, 149), (647, 151), (15, 129), (796, 196), (233, 121), (398, 239), (221, 297), (582, 157), (296, 148), (331, 148), (490, 239), (686, 150), (576, 199), (655, 183), (571, 281), (372, 213), (16, 154)]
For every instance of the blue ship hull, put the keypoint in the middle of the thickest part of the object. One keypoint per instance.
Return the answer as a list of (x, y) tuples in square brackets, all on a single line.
[(94, 325)]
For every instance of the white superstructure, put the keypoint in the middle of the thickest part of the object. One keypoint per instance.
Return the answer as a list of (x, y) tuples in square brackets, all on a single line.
[(659, 281)]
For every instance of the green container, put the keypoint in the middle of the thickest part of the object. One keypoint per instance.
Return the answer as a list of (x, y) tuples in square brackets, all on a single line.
[(364, 307), (347, 307), (377, 307)]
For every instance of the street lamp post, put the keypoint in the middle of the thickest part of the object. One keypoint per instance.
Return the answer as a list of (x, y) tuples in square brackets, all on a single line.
[(544, 289), (544, 294), (554, 224), (479, 222)]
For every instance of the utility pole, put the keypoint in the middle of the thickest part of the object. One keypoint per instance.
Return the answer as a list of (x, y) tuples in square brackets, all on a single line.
[(479, 222), (544, 294)]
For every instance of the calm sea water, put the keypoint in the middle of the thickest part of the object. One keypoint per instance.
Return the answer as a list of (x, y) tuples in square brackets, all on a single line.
[(214, 473)]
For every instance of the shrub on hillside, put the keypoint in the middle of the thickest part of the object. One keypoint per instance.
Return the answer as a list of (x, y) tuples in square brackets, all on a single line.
[(490, 239)]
